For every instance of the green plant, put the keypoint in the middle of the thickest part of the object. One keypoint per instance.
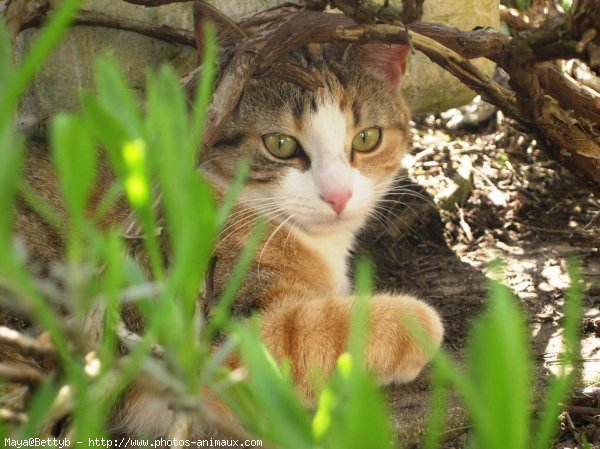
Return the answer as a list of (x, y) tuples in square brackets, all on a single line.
[(496, 385), (160, 145)]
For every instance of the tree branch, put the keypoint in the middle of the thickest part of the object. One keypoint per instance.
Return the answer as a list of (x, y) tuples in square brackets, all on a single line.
[(20, 373), (24, 343), (256, 54), (573, 142), (154, 3), (95, 18)]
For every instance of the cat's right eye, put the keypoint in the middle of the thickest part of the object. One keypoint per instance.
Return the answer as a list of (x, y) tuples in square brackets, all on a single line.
[(281, 145)]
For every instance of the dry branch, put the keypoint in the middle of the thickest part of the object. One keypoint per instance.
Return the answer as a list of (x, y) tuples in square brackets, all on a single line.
[(153, 3), (12, 416), (24, 343), (94, 18), (515, 19), (492, 45), (254, 56), (570, 93), (20, 373), (581, 410)]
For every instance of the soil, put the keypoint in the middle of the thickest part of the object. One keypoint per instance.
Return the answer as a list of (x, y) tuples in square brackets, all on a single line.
[(470, 197)]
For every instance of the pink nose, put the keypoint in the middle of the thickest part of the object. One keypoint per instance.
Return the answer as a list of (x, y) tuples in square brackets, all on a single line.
[(337, 200)]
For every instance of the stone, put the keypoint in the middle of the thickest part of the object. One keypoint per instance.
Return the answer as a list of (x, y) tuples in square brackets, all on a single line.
[(428, 88)]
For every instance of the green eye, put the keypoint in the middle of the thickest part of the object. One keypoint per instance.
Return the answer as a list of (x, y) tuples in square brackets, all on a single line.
[(366, 140), (281, 145)]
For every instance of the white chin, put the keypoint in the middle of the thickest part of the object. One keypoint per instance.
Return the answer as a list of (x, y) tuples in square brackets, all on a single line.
[(332, 225)]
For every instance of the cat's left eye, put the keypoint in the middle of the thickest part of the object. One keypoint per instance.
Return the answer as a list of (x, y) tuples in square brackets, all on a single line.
[(281, 145), (366, 140)]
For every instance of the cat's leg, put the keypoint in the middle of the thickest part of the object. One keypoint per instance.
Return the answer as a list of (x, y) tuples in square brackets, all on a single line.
[(403, 333)]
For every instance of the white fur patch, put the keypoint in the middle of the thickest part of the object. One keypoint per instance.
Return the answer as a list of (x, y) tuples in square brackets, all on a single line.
[(326, 139)]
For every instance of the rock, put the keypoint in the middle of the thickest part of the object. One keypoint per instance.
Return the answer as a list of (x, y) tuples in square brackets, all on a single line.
[(429, 88), (476, 113)]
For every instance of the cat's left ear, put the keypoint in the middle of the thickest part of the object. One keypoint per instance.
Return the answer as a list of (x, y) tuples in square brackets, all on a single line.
[(228, 32), (386, 61)]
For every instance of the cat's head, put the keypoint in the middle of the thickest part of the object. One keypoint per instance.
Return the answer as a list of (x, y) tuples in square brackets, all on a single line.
[(322, 159)]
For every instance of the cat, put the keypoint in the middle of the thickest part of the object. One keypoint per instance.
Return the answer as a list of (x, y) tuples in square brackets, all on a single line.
[(319, 163)]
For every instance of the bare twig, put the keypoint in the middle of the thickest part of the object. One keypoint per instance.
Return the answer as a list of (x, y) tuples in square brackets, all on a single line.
[(514, 19), (466, 72), (484, 42), (12, 416), (180, 429), (20, 373), (153, 3), (572, 141), (570, 93), (131, 339), (24, 343), (573, 429), (95, 18), (581, 410)]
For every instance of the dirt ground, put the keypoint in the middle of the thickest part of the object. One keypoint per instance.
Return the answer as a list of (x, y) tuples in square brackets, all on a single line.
[(472, 196)]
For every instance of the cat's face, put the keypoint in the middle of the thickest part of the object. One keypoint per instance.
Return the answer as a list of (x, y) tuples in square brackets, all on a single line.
[(319, 160)]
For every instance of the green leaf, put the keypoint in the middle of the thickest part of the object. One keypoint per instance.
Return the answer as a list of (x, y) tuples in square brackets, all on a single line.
[(38, 409), (523, 5), (75, 162), (566, 4), (235, 188), (11, 161), (438, 409), (115, 96), (107, 129), (289, 425), (6, 64), (360, 314), (352, 413), (205, 86), (559, 387), (500, 372), (223, 306)]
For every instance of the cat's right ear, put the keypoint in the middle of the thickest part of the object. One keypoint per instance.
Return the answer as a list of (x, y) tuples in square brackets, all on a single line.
[(228, 32)]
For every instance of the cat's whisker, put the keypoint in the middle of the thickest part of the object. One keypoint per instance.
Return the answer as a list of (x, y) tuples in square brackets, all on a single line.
[(249, 218), (294, 227), (269, 241), (412, 194), (384, 215), (397, 217), (270, 218), (238, 219), (401, 203), (401, 191), (246, 220), (266, 199), (404, 191), (257, 208), (380, 217), (388, 197)]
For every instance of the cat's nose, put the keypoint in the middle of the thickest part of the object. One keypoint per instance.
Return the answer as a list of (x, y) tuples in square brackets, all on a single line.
[(337, 199)]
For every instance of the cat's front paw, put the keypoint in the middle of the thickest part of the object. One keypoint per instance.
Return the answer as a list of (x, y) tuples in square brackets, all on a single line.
[(404, 334)]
